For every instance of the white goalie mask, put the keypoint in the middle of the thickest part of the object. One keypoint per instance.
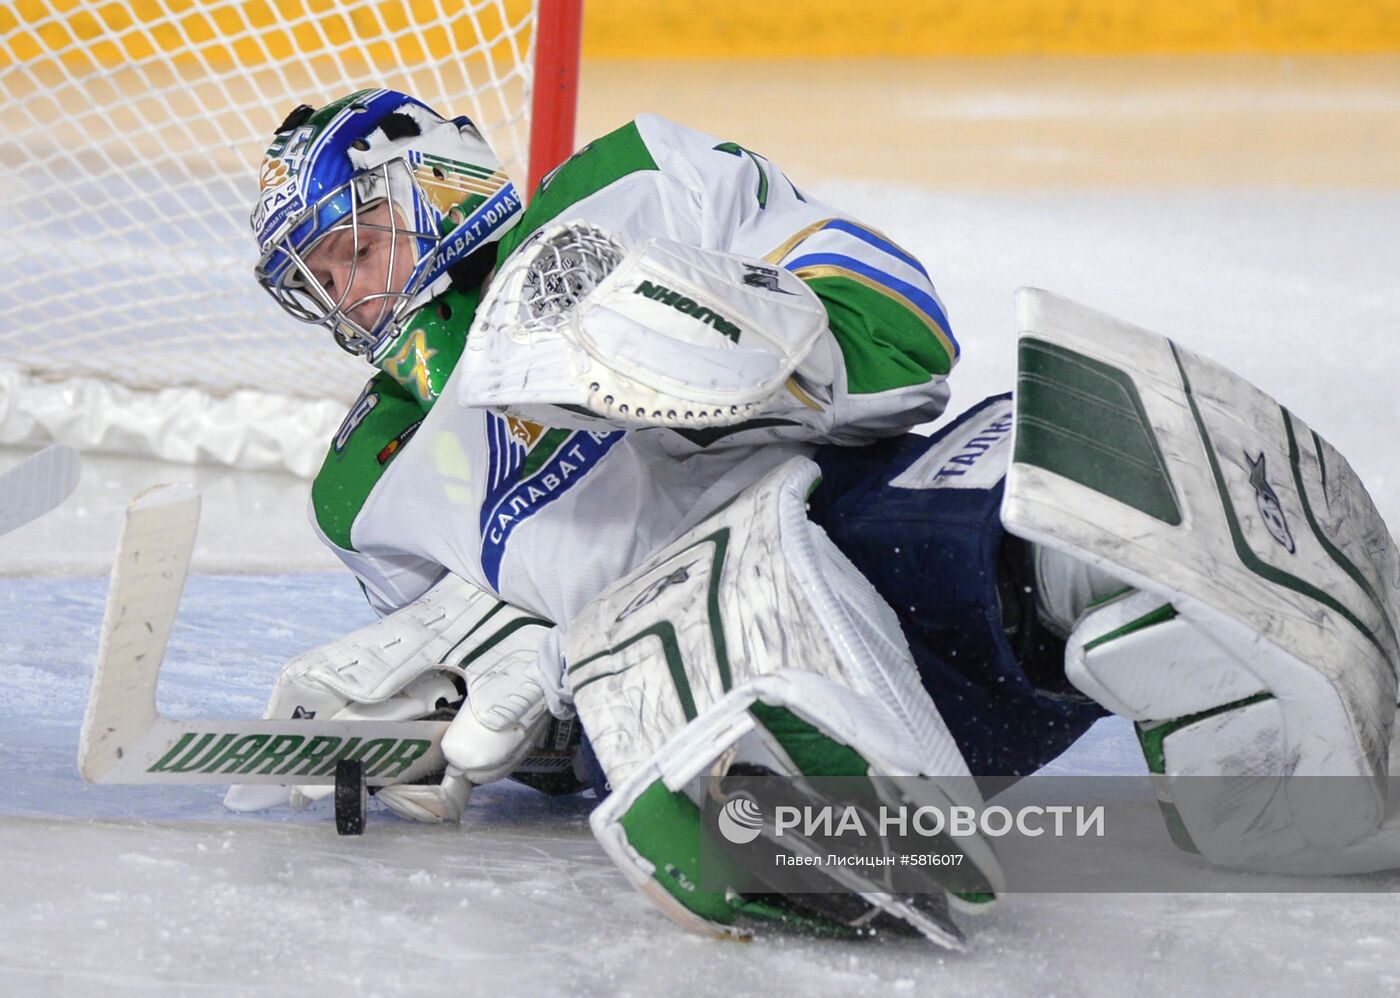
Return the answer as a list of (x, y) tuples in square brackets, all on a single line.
[(364, 207)]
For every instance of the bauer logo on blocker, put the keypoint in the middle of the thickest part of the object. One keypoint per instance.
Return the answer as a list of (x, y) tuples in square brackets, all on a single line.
[(740, 820)]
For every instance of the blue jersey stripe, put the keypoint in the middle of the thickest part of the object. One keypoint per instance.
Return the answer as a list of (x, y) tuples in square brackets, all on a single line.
[(506, 453), (920, 298), (495, 451), (515, 501), (876, 240)]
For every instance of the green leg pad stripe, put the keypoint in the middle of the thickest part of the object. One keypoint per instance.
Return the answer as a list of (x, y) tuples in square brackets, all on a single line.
[(1152, 738), (1160, 615), (1153, 741), (1112, 597), (814, 753), (1084, 420), (1176, 828), (666, 827)]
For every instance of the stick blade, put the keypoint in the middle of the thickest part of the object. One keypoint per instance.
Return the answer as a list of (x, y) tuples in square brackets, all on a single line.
[(148, 576), (38, 484)]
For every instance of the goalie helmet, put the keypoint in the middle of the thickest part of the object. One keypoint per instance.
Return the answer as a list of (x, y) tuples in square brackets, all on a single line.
[(366, 209)]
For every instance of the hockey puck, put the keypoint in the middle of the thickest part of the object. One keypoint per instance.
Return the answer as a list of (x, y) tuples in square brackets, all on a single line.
[(350, 797)]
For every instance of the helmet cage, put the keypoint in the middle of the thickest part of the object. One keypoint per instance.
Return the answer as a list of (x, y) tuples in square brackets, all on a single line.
[(449, 198), (283, 268)]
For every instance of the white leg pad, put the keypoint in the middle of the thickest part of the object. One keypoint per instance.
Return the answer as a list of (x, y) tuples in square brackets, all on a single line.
[(754, 604), (755, 590)]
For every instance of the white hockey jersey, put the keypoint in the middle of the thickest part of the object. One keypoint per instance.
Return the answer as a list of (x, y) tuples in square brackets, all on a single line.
[(547, 517)]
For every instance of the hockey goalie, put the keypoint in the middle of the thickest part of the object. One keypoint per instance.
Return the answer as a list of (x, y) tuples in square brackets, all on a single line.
[(633, 486)]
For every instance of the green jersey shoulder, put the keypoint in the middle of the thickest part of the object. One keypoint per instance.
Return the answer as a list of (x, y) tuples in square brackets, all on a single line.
[(378, 426)]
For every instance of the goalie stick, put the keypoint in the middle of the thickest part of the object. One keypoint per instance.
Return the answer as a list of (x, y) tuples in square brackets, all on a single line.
[(38, 484), (125, 739)]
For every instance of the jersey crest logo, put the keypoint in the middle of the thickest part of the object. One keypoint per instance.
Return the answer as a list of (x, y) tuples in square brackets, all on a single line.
[(524, 432), (520, 489), (1266, 501)]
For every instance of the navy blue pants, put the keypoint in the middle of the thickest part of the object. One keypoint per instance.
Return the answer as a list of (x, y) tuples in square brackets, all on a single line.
[(961, 586), (919, 516)]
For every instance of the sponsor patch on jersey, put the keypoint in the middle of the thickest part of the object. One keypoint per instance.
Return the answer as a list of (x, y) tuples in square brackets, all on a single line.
[(387, 452), (973, 456)]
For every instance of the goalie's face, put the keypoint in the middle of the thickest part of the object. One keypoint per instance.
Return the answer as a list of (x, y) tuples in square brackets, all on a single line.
[(358, 272), (349, 262)]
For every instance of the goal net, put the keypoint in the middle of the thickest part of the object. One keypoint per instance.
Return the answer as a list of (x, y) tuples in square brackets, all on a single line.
[(129, 319)]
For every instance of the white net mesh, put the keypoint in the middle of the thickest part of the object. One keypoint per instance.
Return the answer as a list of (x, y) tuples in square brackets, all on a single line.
[(133, 133)]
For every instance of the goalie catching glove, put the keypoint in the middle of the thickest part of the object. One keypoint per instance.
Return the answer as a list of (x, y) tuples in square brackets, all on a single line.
[(453, 643), (660, 334), (748, 646)]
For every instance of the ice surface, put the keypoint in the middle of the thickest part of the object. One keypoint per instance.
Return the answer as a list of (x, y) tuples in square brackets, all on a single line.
[(150, 890)]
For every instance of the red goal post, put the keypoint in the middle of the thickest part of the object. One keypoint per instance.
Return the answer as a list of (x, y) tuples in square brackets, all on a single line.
[(554, 102), (129, 320)]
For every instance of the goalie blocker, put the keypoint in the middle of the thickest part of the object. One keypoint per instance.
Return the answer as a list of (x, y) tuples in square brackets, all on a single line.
[(456, 654)]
